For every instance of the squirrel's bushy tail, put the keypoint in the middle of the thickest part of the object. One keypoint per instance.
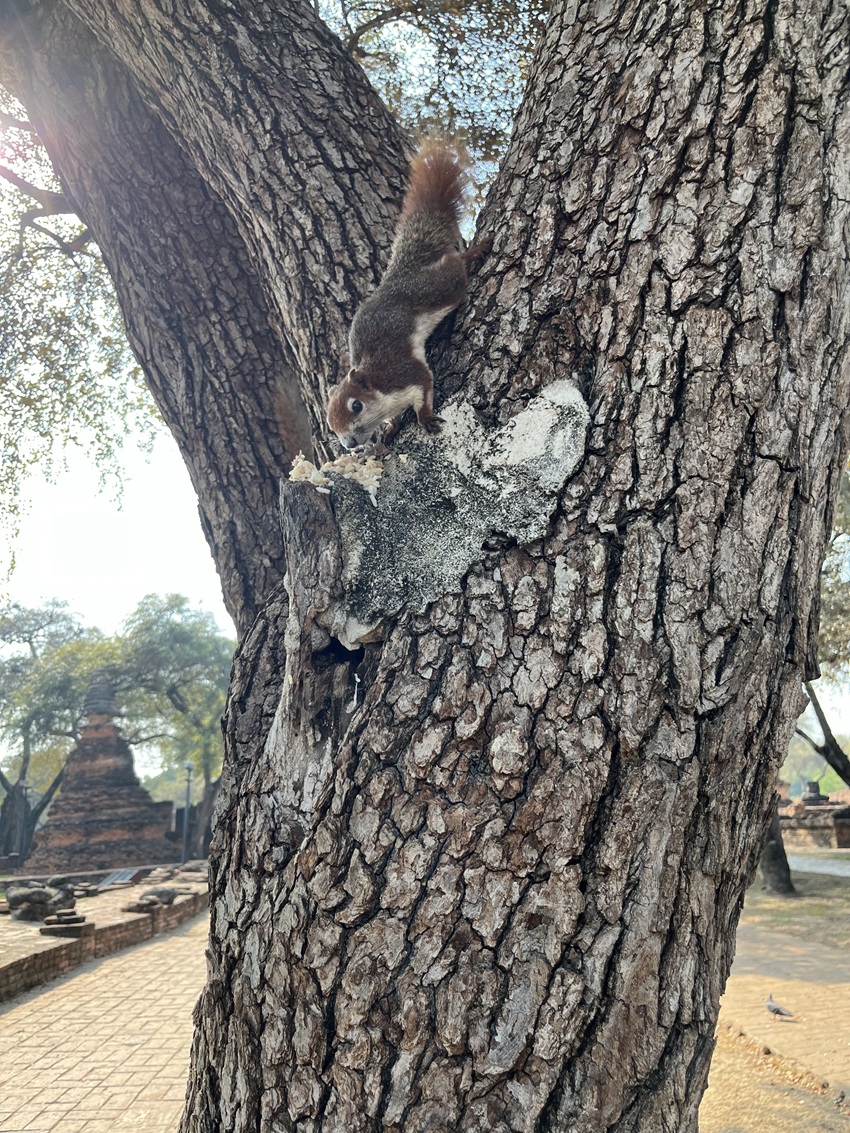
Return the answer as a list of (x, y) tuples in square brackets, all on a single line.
[(438, 182), (433, 204)]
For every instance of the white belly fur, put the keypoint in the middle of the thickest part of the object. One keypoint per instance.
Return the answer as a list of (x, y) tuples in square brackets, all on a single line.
[(392, 404), (422, 329)]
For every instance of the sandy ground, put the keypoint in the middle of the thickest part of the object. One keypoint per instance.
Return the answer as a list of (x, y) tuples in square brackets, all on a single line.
[(786, 1076)]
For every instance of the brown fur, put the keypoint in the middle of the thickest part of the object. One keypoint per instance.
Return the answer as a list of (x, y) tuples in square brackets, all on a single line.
[(425, 280), (438, 182)]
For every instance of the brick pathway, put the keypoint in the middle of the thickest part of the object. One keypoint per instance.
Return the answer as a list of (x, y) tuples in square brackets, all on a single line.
[(106, 1047)]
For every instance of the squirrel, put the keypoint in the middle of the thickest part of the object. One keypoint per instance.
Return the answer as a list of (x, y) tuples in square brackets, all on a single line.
[(425, 280)]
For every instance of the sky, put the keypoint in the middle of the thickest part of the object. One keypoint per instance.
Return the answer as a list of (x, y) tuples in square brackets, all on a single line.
[(77, 544)]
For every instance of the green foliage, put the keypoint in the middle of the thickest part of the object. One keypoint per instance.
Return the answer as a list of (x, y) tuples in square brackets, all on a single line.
[(46, 657), (834, 639), (178, 663), (802, 764), (169, 785), (170, 666), (446, 68), (831, 782), (66, 373)]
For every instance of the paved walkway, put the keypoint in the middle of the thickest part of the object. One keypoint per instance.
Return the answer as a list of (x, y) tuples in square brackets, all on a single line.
[(836, 863), (22, 938), (107, 1047)]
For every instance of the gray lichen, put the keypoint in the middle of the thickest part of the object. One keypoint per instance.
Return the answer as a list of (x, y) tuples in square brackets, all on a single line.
[(442, 498)]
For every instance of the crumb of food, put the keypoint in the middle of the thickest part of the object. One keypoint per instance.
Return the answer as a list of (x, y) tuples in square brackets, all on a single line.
[(303, 469), (363, 470)]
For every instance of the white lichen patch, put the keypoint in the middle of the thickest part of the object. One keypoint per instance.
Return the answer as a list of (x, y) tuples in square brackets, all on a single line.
[(363, 470), (542, 440), (450, 496)]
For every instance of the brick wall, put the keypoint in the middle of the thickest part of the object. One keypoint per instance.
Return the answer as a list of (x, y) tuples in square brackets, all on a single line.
[(20, 975), (123, 934)]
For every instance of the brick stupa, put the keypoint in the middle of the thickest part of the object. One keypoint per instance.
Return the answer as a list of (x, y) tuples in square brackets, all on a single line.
[(104, 818)]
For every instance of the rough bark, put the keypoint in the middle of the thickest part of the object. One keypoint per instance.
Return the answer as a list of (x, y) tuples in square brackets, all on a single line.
[(284, 126), (483, 873), (17, 812), (237, 386), (503, 893), (15, 821), (199, 839)]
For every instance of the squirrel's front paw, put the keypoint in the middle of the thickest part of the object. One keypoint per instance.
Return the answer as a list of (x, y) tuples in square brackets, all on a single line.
[(389, 430), (478, 251), (432, 424)]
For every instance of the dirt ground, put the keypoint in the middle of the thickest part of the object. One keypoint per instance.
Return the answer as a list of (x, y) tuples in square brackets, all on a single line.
[(786, 1076), (750, 1092), (819, 914)]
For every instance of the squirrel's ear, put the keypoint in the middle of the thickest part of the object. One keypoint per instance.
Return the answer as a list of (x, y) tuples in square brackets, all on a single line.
[(358, 378)]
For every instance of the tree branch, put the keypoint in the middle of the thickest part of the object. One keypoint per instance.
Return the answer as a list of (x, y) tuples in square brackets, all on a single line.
[(37, 811), (69, 248), (135, 741), (352, 42), (7, 122), (831, 749), (812, 743), (52, 203), (176, 699)]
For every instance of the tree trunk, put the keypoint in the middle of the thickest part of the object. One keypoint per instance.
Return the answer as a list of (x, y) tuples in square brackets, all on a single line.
[(13, 821), (773, 864), (193, 304), (18, 817), (200, 839), (501, 752)]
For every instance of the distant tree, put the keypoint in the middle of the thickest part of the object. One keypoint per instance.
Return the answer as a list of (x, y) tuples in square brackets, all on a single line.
[(834, 641), (834, 655), (40, 701), (829, 749), (170, 665), (66, 371), (835, 591), (177, 660)]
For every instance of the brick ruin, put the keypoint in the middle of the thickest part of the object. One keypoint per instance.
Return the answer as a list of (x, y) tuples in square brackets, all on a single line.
[(103, 818)]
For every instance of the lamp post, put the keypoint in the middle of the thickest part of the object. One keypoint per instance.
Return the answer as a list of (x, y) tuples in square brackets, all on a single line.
[(22, 843), (187, 766)]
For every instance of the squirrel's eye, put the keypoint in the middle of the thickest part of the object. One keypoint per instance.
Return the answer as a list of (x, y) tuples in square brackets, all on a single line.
[(356, 407)]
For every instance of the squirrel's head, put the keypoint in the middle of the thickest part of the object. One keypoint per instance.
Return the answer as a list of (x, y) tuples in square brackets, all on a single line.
[(356, 409)]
